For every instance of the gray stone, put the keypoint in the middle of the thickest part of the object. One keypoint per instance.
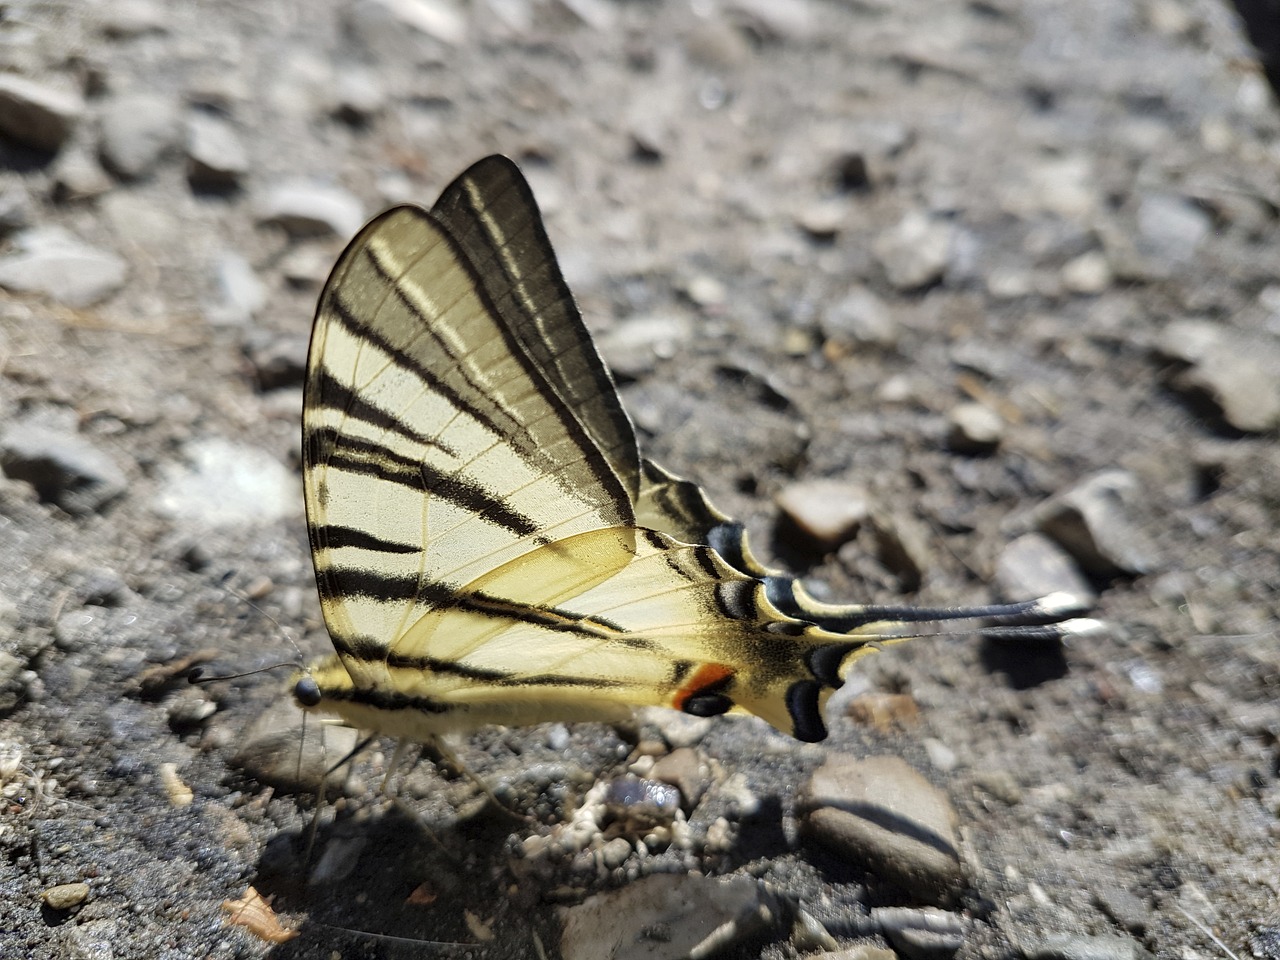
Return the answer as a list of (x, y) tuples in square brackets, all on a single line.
[(279, 360), (915, 252), (860, 317), (78, 176), (66, 896), (942, 757), (882, 814), (65, 469), (1089, 274), (278, 751), (126, 19), (921, 933), (824, 219), (138, 130), (1240, 379), (359, 95), (859, 951), (827, 512), (240, 293), (686, 771), (696, 916), (677, 729), (597, 14), (215, 156), (1034, 566), (1171, 228), (1189, 340), (780, 20), (1126, 909), (1234, 373), (640, 805), (633, 346), (432, 18), (1079, 947), (15, 208), (1093, 522), (974, 428), (35, 114), (307, 209), (337, 861), (226, 485), (705, 291), (51, 262), (902, 545), (306, 267), (189, 710)]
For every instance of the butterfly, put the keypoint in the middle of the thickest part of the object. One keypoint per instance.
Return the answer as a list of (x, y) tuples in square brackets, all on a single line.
[(490, 545)]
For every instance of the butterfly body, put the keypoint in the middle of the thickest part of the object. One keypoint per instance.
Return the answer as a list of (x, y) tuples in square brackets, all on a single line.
[(489, 544)]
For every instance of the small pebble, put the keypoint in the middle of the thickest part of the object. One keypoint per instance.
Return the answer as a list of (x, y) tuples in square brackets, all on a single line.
[(66, 896), (974, 429), (825, 512), (37, 114)]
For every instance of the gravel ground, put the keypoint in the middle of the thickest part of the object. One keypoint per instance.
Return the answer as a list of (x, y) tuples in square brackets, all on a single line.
[(992, 283)]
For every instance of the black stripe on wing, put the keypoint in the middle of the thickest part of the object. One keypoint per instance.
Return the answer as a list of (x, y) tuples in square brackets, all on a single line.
[(523, 433), (332, 536), (332, 303), (355, 455), (325, 392), (490, 211)]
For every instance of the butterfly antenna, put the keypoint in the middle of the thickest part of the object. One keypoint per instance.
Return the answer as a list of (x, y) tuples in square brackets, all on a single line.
[(285, 632)]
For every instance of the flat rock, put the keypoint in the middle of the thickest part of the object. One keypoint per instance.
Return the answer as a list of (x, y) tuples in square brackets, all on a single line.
[(860, 317), (36, 114), (924, 934), (1080, 947), (633, 346), (51, 262), (1239, 379), (138, 129), (884, 815), (697, 916), (1171, 228), (276, 749), (1089, 274), (1033, 565), (79, 176), (434, 18), (64, 467), (215, 155), (65, 896), (826, 512), (915, 252), (685, 770), (240, 294), (1093, 521), (974, 428), (306, 209), (225, 484)]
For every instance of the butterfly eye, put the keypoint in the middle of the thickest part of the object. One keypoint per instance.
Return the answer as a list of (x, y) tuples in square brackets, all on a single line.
[(307, 692)]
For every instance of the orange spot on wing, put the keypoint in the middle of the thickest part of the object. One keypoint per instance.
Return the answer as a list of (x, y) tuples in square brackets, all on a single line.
[(705, 679)]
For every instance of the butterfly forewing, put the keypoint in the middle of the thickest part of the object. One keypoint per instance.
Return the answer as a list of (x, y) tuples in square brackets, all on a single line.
[(434, 451)]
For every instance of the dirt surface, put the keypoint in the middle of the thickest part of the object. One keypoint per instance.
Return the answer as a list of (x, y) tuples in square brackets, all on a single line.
[(806, 232)]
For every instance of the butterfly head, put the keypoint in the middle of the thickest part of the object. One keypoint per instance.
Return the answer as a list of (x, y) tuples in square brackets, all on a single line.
[(307, 692)]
